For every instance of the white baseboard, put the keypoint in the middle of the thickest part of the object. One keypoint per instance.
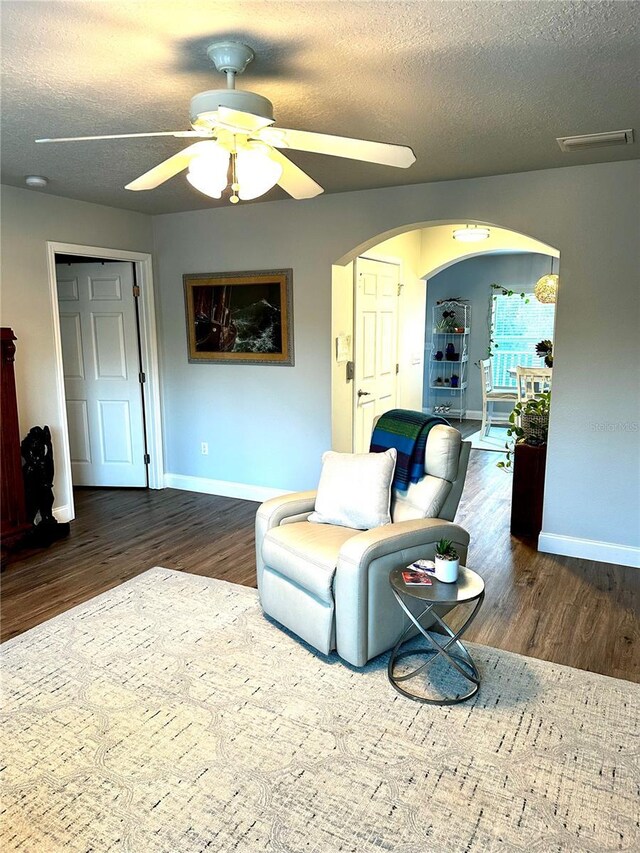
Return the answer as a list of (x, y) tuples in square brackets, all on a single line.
[(224, 488), (62, 513), (589, 549)]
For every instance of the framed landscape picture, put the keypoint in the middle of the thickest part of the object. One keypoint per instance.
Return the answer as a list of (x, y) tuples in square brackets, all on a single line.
[(240, 317)]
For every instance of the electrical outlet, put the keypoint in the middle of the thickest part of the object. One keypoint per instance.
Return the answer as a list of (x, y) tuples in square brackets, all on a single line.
[(204, 448)]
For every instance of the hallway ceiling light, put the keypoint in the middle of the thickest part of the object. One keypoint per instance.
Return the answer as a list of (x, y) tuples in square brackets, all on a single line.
[(546, 288), (38, 182), (471, 233)]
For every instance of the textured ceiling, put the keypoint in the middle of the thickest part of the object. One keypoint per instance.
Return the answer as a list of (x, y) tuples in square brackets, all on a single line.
[(475, 88)]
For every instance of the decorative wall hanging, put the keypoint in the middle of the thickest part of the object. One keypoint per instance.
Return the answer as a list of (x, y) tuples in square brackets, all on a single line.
[(240, 317)]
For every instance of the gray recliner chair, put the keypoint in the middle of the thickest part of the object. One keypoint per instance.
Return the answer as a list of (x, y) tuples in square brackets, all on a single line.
[(330, 584)]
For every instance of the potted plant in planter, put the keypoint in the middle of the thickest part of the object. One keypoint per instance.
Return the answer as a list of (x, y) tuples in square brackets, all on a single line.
[(529, 424), (447, 561)]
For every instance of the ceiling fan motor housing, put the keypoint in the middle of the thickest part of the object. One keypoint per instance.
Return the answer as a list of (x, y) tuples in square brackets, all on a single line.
[(205, 103)]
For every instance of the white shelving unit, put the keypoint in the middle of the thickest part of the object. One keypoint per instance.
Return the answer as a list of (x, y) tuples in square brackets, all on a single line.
[(448, 357)]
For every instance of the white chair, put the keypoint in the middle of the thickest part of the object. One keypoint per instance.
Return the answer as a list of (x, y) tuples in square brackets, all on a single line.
[(329, 584), (491, 396), (532, 381)]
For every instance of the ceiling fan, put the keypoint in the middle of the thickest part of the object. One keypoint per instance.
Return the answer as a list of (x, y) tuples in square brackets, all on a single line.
[(235, 129)]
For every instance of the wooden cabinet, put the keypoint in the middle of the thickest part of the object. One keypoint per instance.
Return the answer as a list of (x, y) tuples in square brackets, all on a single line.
[(528, 489), (12, 509)]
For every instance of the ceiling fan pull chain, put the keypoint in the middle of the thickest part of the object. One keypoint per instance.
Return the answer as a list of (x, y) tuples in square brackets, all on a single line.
[(235, 186)]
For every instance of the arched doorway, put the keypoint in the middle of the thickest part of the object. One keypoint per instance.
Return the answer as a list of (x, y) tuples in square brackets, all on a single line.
[(421, 251)]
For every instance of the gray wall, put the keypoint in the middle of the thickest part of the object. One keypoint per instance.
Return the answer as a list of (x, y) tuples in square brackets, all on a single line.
[(472, 279), (269, 425)]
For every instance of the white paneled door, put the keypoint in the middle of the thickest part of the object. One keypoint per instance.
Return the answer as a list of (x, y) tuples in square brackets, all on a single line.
[(376, 347), (102, 373)]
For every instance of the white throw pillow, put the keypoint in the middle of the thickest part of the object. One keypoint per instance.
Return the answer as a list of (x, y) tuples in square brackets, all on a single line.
[(355, 489)]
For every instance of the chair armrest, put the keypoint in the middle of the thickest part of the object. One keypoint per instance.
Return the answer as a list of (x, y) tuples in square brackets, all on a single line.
[(360, 550), (365, 609), (296, 506), (272, 512)]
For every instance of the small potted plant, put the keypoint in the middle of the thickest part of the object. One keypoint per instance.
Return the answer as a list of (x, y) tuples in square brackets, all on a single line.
[(528, 424), (447, 562)]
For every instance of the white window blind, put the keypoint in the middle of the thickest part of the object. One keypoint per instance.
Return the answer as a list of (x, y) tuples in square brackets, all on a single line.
[(517, 326)]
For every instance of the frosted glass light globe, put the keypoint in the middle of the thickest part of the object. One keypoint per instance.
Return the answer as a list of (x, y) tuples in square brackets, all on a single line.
[(256, 171), (208, 171)]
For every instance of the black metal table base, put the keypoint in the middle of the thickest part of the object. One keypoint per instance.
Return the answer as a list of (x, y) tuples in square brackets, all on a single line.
[(460, 659)]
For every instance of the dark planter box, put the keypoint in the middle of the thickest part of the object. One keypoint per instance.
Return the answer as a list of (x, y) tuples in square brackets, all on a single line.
[(528, 489)]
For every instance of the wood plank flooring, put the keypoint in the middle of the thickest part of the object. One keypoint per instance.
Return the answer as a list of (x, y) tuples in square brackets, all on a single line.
[(574, 612)]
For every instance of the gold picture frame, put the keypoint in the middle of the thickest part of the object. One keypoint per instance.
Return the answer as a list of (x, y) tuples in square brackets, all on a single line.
[(240, 317)]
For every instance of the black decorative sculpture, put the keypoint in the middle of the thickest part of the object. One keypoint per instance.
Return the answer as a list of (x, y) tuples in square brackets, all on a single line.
[(37, 470)]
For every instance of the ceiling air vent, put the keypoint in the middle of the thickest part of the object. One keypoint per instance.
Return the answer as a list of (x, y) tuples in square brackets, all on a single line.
[(595, 140)]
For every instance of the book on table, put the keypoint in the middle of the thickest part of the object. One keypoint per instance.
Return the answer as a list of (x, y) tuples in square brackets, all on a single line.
[(412, 577)]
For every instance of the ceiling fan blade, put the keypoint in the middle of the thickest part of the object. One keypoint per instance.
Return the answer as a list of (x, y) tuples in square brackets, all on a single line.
[(180, 134), (293, 180), (247, 122), (340, 146), (167, 169)]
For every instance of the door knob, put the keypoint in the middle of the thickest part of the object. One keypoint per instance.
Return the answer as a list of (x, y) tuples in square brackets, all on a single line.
[(364, 393)]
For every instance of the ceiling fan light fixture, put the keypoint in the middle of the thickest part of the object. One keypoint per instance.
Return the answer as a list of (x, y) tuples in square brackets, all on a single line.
[(232, 122), (256, 172), (208, 171), (471, 233)]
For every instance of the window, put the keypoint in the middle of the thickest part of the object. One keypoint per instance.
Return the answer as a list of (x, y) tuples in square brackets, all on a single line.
[(517, 327)]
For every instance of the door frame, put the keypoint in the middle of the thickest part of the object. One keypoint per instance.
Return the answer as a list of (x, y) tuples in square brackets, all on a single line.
[(142, 262)]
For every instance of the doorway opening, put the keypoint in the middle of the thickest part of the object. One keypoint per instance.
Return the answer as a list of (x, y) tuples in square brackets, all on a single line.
[(476, 382), (432, 266), (436, 269), (103, 375), (107, 367)]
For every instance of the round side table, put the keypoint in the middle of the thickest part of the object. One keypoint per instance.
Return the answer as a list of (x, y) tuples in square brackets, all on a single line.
[(468, 588)]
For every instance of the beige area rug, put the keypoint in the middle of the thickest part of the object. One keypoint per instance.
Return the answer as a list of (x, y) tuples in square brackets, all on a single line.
[(168, 715), (494, 441)]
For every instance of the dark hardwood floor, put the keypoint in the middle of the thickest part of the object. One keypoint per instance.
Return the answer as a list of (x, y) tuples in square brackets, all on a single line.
[(574, 612)]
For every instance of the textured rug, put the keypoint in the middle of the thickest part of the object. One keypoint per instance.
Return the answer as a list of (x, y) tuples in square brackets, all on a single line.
[(168, 715), (494, 441)]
